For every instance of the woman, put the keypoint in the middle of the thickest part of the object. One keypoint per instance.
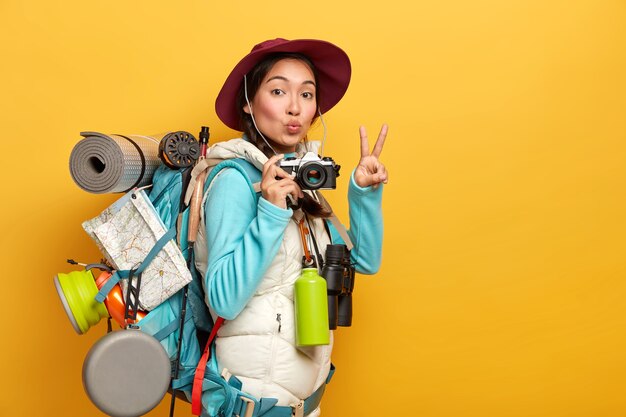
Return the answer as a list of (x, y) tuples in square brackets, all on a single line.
[(255, 247)]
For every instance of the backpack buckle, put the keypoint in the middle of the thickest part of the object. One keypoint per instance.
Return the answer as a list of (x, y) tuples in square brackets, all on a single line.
[(249, 407), (297, 410)]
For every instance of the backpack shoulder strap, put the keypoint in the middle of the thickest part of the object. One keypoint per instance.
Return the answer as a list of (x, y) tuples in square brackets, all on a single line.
[(253, 177), (341, 229), (213, 166), (196, 392), (249, 171), (253, 173)]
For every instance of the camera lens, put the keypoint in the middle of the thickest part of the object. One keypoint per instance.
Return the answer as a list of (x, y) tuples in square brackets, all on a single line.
[(312, 176)]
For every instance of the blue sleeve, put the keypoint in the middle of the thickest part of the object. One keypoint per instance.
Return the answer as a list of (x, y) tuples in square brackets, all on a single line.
[(243, 237), (366, 227)]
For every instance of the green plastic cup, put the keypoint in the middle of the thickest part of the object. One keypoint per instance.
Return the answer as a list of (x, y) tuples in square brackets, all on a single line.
[(77, 291)]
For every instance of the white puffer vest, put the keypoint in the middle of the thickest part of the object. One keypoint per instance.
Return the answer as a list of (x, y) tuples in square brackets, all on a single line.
[(258, 346)]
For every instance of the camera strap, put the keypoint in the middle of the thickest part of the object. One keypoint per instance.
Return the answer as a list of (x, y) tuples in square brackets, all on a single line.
[(335, 222), (304, 231), (320, 260)]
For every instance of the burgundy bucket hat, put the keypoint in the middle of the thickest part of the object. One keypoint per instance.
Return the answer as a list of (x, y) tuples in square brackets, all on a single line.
[(331, 62)]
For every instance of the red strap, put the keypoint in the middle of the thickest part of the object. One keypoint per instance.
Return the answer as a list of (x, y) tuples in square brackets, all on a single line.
[(196, 392)]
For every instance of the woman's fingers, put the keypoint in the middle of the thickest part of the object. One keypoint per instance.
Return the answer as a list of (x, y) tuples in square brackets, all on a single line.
[(378, 147), (276, 191), (289, 186), (271, 163), (281, 173), (370, 172), (367, 179), (382, 174), (272, 172), (365, 147)]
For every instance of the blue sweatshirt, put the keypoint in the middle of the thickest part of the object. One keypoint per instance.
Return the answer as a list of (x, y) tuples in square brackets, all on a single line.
[(243, 236)]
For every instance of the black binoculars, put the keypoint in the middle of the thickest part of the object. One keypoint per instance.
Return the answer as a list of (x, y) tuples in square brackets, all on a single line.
[(339, 275)]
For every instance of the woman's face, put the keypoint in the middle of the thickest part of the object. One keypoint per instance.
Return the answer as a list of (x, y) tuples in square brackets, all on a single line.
[(285, 104)]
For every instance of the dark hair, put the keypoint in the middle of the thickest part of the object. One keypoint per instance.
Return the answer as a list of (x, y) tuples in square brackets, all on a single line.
[(253, 81)]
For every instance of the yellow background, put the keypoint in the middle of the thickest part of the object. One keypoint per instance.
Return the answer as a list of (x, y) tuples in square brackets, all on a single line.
[(503, 285)]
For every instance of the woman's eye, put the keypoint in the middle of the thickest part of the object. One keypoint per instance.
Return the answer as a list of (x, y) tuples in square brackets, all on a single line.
[(277, 92), (307, 95)]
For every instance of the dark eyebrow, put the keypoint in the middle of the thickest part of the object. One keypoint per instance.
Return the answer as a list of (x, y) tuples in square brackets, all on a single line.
[(280, 77)]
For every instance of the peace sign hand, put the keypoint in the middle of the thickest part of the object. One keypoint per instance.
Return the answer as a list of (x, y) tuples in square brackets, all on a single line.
[(370, 170)]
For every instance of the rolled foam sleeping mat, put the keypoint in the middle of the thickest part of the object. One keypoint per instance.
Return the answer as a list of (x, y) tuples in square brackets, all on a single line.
[(102, 163)]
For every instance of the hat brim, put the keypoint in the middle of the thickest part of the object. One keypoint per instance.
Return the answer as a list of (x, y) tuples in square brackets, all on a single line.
[(331, 63)]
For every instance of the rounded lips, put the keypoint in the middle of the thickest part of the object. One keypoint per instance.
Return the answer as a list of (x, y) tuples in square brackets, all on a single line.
[(331, 63), (293, 127)]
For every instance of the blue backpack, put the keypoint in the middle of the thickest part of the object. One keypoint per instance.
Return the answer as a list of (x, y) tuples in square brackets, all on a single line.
[(215, 394), (164, 322)]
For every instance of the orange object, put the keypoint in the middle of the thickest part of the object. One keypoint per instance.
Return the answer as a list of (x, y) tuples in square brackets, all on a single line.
[(303, 232), (114, 302)]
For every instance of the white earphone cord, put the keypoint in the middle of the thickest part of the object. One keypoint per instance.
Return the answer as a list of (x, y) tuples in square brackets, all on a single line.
[(245, 93), (323, 138)]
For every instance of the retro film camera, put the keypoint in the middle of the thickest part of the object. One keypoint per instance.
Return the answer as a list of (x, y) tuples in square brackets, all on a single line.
[(312, 172), (339, 274)]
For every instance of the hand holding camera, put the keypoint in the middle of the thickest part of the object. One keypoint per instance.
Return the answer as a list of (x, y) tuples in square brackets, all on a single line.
[(277, 184), (312, 172), (282, 185)]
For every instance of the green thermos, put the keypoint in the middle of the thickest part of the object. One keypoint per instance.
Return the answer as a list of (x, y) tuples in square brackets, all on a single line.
[(311, 302)]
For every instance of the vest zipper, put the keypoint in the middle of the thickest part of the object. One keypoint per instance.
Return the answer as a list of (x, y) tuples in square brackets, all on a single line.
[(275, 337)]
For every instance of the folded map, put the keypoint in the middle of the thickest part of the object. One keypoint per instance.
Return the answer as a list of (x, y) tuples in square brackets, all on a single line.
[(125, 232)]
